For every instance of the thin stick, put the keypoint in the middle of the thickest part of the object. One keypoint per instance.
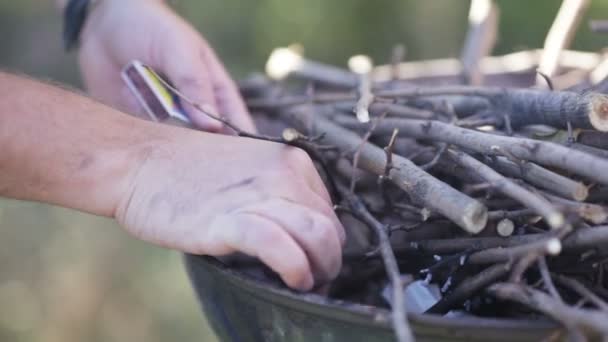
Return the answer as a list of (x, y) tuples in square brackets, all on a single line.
[(553, 217), (480, 40), (541, 177), (548, 245), (497, 248), (541, 152), (357, 154), (537, 300), (469, 287), (399, 313), (561, 33), (436, 195), (544, 272), (287, 61), (582, 290)]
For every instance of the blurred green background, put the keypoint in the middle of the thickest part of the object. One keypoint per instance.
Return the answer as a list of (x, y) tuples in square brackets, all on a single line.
[(67, 276)]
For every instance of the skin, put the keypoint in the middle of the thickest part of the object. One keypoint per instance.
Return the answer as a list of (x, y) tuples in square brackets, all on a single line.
[(187, 190), (190, 191), (119, 31)]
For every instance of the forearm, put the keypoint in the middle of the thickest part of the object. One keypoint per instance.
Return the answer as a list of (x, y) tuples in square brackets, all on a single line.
[(62, 148)]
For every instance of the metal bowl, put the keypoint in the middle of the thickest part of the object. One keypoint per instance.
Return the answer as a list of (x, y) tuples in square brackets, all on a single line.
[(240, 308)]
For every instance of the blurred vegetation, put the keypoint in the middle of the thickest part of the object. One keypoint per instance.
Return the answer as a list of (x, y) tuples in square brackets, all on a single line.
[(67, 276)]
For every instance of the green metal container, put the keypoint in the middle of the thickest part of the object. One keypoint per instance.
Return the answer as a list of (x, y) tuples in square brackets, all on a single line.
[(240, 308)]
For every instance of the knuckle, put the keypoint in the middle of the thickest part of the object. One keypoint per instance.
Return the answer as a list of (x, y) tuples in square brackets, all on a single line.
[(189, 82), (267, 237), (298, 158)]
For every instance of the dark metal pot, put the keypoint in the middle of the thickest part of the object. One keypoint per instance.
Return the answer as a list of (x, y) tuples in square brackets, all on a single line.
[(240, 308)]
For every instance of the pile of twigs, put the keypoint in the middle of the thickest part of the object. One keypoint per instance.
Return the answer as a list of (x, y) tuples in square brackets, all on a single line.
[(497, 195)]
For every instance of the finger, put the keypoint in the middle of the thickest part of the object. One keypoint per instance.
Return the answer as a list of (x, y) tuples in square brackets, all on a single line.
[(102, 79), (313, 231), (190, 76), (300, 163), (227, 95), (262, 238), (301, 193)]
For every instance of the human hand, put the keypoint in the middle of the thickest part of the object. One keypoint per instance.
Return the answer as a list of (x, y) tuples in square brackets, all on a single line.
[(216, 195), (119, 31)]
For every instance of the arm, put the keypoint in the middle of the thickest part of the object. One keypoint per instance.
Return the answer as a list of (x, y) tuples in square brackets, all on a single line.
[(191, 191)]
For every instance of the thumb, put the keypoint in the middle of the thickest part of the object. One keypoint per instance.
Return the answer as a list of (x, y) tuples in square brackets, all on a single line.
[(189, 74)]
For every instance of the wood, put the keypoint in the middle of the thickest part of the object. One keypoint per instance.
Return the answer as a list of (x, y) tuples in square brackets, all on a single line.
[(432, 193), (480, 39)]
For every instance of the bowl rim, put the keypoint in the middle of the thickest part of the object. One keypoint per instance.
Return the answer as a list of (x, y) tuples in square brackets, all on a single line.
[(341, 310)]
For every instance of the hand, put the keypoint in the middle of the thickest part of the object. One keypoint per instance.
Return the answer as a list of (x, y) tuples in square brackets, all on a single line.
[(217, 195), (118, 31)]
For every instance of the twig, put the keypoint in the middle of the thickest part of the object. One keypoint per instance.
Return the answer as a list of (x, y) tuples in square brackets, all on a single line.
[(497, 249), (510, 214), (582, 290), (527, 106), (480, 39), (392, 109), (357, 153), (561, 33), (469, 287), (541, 177), (399, 313), (388, 150), (397, 57), (537, 300), (554, 218), (594, 213), (544, 272), (548, 245), (505, 227), (541, 152), (284, 62), (440, 152), (362, 66), (436, 195)]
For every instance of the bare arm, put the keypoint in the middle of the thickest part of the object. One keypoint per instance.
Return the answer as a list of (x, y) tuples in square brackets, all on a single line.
[(60, 148), (191, 191)]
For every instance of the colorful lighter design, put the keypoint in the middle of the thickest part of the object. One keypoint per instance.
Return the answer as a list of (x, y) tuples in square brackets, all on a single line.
[(154, 96)]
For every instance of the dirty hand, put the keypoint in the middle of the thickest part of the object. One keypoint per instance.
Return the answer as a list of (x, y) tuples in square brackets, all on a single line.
[(218, 194), (118, 31)]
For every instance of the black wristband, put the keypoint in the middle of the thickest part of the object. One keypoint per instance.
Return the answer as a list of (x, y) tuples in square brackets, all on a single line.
[(74, 16)]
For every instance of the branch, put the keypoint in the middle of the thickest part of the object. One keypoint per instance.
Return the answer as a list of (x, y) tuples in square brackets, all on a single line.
[(537, 300), (399, 313), (541, 177), (552, 216), (469, 287), (561, 33), (541, 152), (432, 193), (480, 39)]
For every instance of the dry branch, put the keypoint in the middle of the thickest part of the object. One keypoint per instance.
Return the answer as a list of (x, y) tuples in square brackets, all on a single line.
[(537, 300), (468, 287), (399, 313), (432, 193), (561, 33), (541, 177), (541, 152), (526, 106), (480, 39), (554, 217)]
